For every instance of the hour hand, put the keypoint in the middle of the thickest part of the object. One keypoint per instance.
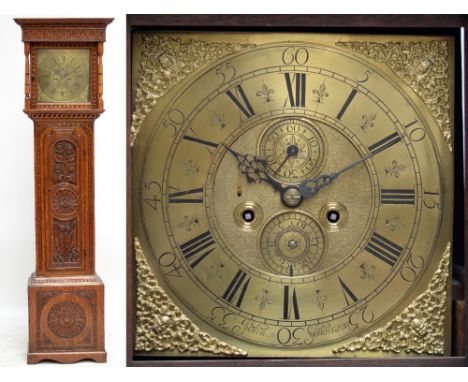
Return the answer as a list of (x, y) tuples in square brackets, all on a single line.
[(254, 169)]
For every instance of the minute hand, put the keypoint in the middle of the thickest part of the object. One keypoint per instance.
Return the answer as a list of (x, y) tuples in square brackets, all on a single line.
[(311, 187)]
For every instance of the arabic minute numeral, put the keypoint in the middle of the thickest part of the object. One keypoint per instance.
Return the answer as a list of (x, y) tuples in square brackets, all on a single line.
[(362, 315), (413, 266), (431, 200), (174, 120), (365, 76), (290, 336), (299, 56), (169, 263), (416, 134), (152, 195), (225, 72)]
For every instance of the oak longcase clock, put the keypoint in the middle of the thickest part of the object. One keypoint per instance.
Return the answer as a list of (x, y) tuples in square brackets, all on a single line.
[(63, 96), (291, 194)]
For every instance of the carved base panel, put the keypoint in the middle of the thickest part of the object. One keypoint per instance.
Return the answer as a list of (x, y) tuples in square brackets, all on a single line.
[(66, 316)]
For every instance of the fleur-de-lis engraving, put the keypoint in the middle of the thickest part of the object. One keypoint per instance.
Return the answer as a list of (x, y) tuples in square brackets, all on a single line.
[(266, 93), (319, 299), (263, 298), (188, 222), (190, 168), (218, 120), (393, 223), (215, 271), (395, 169), (367, 271), (320, 94), (367, 121)]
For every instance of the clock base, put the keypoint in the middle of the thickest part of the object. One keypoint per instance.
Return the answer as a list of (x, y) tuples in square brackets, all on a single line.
[(66, 316), (100, 357)]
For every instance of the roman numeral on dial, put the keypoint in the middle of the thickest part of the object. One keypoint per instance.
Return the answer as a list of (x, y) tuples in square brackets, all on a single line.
[(297, 97), (384, 143), (242, 103), (384, 249), (236, 289), (198, 248), (190, 196), (349, 296), (346, 104), (290, 306), (390, 196)]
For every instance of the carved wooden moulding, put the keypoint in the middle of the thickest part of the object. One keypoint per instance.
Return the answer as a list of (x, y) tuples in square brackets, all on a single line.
[(63, 96)]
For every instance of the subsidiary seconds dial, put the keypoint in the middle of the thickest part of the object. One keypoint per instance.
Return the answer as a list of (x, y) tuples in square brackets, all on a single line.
[(293, 148)]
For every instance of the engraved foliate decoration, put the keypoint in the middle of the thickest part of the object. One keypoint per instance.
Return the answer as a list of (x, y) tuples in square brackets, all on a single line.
[(161, 326), (66, 319), (165, 62), (419, 328), (423, 66)]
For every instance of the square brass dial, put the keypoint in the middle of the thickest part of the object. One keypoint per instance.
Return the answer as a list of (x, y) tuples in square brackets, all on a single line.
[(292, 194), (63, 75)]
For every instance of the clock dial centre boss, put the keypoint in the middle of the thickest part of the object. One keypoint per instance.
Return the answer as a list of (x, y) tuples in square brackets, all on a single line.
[(290, 196)]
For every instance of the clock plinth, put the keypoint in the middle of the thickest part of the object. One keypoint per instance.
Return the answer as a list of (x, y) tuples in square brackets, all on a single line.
[(66, 318), (63, 96)]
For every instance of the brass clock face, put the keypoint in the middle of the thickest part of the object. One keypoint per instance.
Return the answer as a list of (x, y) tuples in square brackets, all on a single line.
[(291, 196), (63, 75)]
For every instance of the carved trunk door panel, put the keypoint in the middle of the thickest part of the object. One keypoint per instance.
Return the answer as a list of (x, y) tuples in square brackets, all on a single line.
[(67, 213)]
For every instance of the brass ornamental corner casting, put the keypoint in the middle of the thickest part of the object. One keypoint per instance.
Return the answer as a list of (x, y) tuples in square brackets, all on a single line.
[(419, 328), (423, 66), (161, 326), (165, 62)]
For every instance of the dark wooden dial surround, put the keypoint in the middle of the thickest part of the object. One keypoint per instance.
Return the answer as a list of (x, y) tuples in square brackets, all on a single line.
[(66, 296)]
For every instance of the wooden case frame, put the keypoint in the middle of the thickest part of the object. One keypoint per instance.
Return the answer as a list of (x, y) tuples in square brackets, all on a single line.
[(451, 25), (65, 295)]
